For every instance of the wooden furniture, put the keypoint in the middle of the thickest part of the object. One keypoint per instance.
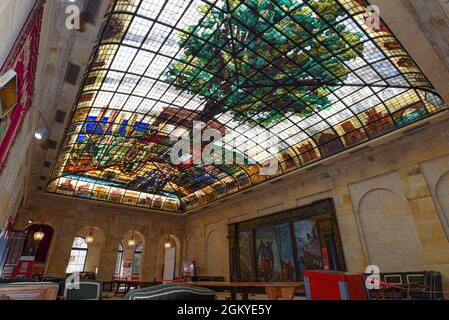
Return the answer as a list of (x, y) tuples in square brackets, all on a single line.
[(146, 284), (127, 284), (85, 275), (206, 278), (29, 291), (274, 293), (274, 290)]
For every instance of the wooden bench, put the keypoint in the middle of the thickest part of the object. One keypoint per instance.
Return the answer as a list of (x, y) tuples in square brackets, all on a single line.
[(29, 291)]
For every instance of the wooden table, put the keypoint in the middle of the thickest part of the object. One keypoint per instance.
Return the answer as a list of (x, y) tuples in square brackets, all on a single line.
[(127, 283), (274, 290)]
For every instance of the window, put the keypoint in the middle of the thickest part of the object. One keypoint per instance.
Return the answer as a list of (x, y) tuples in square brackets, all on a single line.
[(118, 263), (137, 259), (77, 255)]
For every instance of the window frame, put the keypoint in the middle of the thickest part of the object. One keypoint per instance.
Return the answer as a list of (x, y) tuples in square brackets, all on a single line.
[(78, 249), (137, 253), (119, 259)]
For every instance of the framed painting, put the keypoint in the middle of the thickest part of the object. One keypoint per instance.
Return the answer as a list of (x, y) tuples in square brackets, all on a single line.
[(275, 260), (280, 246)]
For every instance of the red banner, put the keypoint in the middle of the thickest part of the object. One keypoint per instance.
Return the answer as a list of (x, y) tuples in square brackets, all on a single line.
[(23, 269), (23, 60)]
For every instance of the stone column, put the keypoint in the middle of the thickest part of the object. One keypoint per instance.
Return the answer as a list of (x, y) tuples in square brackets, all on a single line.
[(57, 267), (149, 257), (63, 238), (106, 267), (108, 258), (349, 227)]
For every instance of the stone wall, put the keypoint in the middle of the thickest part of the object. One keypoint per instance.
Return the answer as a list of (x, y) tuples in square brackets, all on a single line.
[(13, 176)]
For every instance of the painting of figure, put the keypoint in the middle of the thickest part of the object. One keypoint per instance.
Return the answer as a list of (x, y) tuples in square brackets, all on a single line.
[(274, 253), (308, 245)]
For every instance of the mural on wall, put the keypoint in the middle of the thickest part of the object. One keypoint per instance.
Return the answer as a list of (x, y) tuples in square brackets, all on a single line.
[(23, 60), (275, 259), (279, 247), (245, 258), (308, 245)]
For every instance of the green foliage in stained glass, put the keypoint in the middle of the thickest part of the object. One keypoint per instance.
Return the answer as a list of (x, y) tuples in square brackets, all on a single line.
[(265, 64)]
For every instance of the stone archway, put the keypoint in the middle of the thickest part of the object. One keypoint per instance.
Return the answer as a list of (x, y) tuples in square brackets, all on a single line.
[(442, 194), (42, 248)]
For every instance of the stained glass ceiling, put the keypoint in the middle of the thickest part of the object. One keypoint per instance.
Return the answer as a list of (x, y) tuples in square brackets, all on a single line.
[(313, 74)]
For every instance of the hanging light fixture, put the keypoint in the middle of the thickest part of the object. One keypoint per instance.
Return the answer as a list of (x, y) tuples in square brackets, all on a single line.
[(90, 237), (39, 235), (131, 241), (167, 243), (30, 221)]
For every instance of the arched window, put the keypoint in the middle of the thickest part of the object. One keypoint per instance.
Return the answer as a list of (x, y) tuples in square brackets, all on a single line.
[(118, 262), (137, 258), (77, 255)]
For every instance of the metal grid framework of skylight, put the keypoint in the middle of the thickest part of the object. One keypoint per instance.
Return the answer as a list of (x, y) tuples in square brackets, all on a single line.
[(314, 74)]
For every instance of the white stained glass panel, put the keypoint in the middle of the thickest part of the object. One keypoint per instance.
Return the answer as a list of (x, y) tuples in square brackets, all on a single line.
[(137, 259), (78, 256), (118, 262)]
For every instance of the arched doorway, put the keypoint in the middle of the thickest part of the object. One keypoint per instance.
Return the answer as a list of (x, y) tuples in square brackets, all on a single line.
[(41, 247), (442, 194)]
